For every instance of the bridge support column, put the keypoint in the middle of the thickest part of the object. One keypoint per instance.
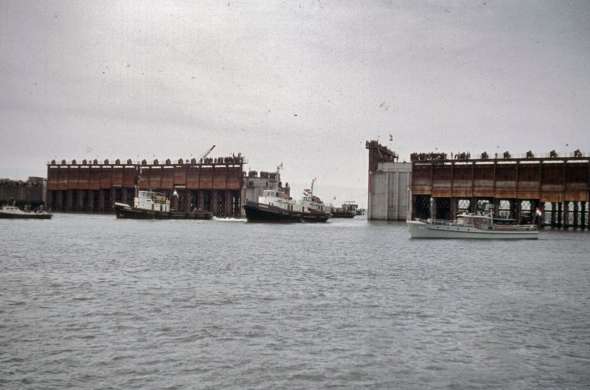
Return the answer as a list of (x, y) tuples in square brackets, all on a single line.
[(496, 203), (91, 200), (201, 200), (453, 208), (559, 214), (80, 201), (59, 200), (472, 205), (583, 218), (186, 200), (69, 200), (213, 201), (553, 215), (100, 201), (237, 204), (576, 216), (433, 208), (49, 200), (124, 195), (228, 204), (112, 199)]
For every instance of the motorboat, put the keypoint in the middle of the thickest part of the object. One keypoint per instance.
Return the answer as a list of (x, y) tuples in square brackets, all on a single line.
[(471, 226)]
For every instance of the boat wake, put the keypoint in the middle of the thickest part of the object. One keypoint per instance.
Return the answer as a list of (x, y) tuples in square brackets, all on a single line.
[(220, 219)]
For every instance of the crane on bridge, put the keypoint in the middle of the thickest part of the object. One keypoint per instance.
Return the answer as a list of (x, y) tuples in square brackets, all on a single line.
[(204, 156)]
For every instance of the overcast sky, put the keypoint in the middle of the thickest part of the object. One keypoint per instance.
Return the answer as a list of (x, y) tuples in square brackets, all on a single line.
[(303, 83)]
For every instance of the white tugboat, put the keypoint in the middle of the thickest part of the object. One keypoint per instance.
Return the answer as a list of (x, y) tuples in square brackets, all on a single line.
[(472, 227)]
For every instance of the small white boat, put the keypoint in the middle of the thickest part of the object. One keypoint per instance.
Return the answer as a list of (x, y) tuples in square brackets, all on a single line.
[(471, 226)]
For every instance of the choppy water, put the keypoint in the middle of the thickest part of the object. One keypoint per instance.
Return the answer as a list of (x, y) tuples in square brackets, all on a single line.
[(89, 302)]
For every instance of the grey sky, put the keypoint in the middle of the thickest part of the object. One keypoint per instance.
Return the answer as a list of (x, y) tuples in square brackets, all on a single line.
[(304, 83)]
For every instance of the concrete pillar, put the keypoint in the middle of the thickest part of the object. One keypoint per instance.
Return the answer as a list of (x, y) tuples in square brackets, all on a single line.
[(472, 205), (576, 217), (496, 203), (80, 206), (69, 200), (433, 208), (553, 214), (565, 221), (237, 204), (453, 208), (91, 200), (49, 202), (228, 204), (583, 219), (60, 200), (124, 192), (101, 201), (114, 193), (201, 200), (541, 218), (186, 200), (213, 202)]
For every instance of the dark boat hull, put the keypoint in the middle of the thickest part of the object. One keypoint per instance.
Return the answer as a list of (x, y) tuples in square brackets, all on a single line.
[(342, 214), (133, 213), (24, 216), (256, 212)]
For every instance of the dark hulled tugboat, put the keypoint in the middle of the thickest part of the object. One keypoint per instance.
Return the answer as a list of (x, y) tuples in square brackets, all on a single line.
[(277, 206), (151, 205)]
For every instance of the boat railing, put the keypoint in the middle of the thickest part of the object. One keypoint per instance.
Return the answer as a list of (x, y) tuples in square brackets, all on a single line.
[(436, 221), (524, 228)]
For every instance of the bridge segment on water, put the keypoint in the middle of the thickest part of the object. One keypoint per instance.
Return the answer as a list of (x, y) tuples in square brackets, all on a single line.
[(213, 184), (557, 188)]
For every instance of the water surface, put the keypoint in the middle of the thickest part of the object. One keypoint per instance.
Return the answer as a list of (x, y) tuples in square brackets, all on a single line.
[(90, 302)]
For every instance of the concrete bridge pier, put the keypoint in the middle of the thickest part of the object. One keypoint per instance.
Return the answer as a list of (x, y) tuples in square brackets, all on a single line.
[(80, 201)]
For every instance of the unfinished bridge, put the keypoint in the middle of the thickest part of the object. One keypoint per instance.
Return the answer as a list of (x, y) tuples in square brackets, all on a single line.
[(551, 190), (213, 184)]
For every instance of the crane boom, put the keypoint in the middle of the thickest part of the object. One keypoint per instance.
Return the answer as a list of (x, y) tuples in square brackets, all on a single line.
[(207, 152)]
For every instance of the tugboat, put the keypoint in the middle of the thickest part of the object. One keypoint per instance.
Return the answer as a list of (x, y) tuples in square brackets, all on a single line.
[(13, 212), (277, 206), (152, 205)]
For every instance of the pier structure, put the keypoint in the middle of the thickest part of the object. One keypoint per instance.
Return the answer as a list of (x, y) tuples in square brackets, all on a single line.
[(389, 181), (213, 184), (551, 191)]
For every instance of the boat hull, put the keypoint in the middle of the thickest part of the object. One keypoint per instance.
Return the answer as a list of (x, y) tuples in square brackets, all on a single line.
[(419, 229), (25, 215), (338, 214), (258, 212), (126, 212)]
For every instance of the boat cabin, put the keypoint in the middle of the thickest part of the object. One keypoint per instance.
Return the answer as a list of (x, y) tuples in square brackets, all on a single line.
[(477, 221), (150, 200)]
